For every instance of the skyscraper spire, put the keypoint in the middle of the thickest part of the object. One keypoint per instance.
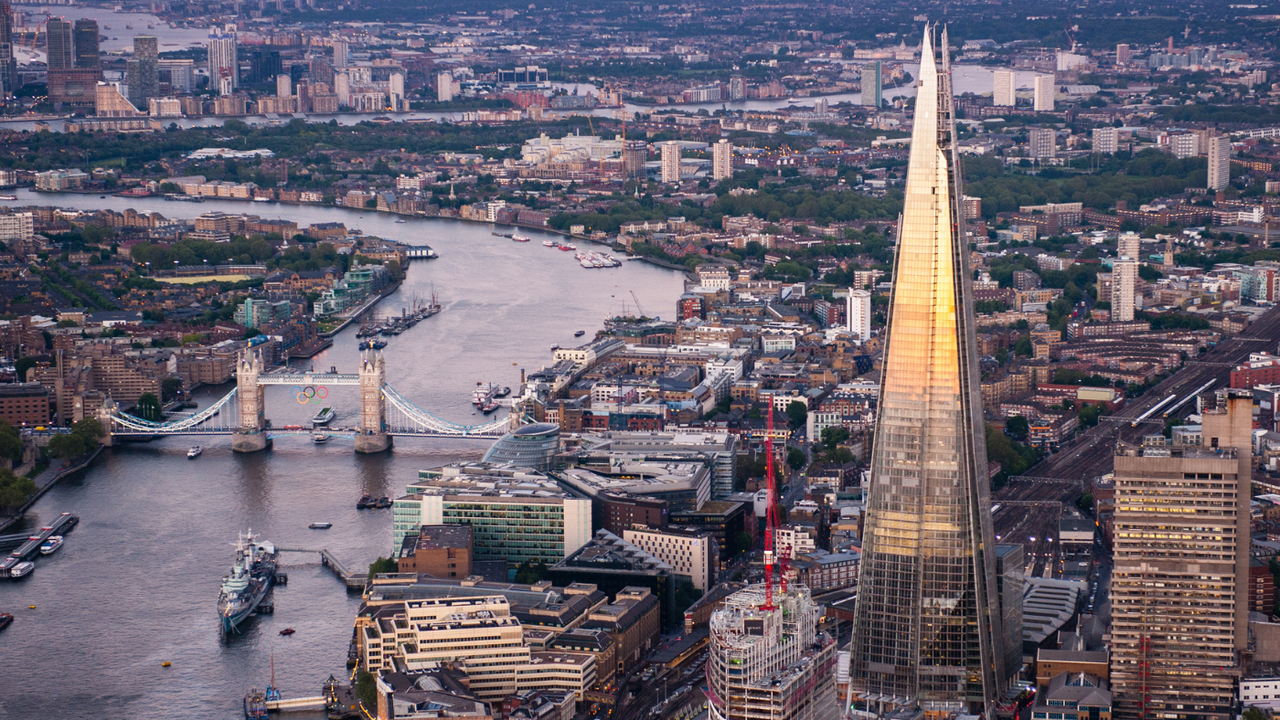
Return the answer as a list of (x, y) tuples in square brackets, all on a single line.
[(927, 624)]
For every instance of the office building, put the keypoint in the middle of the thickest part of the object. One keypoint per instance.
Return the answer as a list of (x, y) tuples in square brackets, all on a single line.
[(1005, 93), (1219, 162), (613, 564), (514, 514), (1124, 277), (144, 70), (340, 53), (109, 103), (722, 160), (671, 162), (8, 61), (928, 547), (858, 313), (770, 662), (1044, 90), (60, 45), (444, 87), (1179, 591), (635, 153), (224, 65), (872, 85), (529, 446), (633, 622), (718, 449), (1042, 143), (85, 41), (693, 556), (284, 86), (1106, 140), (1122, 54)]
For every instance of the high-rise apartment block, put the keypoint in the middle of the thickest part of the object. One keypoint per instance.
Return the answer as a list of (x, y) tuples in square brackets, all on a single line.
[(284, 86), (8, 61), (671, 162), (1044, 91), (1042, 143), (1124, 277), (872, 84), (770, 662), (224, 64), (1219, 162), (444, 87), (635, 153), (1122, 54), (1179, 588), (722, 160), (1004, 92), (144, 70), (340, 53), (1129, 245), (928, 629), (1106, 140), (1183, 145), (858, 313)]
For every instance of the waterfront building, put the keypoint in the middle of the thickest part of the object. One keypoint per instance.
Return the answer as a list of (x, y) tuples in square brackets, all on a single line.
[(515, 514), (1179, 589), (1124, 279), (1106, 140), (260, 313), (722, 160), (1042, 143), (340, 52), (24, 404), (144, 70), (1219, 162), (1044, 90), (439, 550), (927, 624), (770, 662), (109, 103), (671, 162), (872, 84), (223, 63), (529, 446), (1004, 93), (858, 313), (692, 555), (8, 60)]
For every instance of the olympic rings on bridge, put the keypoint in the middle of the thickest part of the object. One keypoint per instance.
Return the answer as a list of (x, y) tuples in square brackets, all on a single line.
[(309, 393)]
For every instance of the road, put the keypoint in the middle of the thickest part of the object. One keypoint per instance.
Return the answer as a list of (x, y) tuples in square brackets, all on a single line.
[(667, 685)]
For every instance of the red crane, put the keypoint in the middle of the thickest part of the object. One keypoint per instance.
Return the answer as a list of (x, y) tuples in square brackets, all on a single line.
[(771, 519)]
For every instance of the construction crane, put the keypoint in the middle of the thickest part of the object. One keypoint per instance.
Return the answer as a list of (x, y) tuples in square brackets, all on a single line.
[(637, 300), (771, 518)]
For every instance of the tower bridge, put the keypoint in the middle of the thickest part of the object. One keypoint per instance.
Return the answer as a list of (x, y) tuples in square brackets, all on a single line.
[(242, 413)]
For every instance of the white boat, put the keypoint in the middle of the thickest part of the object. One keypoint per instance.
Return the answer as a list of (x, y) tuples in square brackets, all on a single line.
[(194, 452), (520, 238), (320, 525), (401, 221), (8, 197), (51, 545), (324, 417), (21, 570), (319, 438), (545, 243), (262, 199)]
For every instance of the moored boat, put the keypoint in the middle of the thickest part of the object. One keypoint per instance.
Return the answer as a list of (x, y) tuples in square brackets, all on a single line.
[(255, 705), (194, 452), (6, 619), (21, 570), (545, 243), (248, 583), (520, 238), (320, 525), (50, 546)]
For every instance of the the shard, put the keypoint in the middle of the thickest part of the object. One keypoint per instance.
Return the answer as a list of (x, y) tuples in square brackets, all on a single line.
[(927, 623)]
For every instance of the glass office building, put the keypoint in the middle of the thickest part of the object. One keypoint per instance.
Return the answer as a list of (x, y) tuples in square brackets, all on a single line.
[(927, 625), (532, 446)]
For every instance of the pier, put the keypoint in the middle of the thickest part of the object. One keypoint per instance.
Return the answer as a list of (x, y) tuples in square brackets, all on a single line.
[(297, 704), (353, 580), (28, 544)]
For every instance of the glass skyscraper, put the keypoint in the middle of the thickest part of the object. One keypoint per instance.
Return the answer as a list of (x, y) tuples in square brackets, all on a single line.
[(927, 628)]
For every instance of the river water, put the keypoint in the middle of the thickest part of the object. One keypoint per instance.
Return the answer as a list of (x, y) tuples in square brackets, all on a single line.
[(136, 583)]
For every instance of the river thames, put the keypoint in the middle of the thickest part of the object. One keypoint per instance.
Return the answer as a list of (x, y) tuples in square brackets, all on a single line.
[(136, 583)]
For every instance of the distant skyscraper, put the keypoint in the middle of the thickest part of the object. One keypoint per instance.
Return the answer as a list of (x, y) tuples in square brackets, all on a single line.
[(146, 65), (1004, 93), (59, 44), (737, 88), (1122, 54), (670, 162), (223, 61), (342, 88), (858, 313), (1219, 162), (1106, 140), (1124, 276), (444, 87), (1042, 142), (1044, 91), (872, 92), (722, 160), (635, 153), (1179, 588), (928, 622), (770, 662), (8, 61), (284, 86), (85, 39), (340, 52), (395, 90)]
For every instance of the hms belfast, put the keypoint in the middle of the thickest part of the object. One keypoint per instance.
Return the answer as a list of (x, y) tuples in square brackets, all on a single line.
[(928, 627)]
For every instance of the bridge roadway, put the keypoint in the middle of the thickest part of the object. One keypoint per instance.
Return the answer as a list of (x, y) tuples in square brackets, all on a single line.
[(1091, 454)]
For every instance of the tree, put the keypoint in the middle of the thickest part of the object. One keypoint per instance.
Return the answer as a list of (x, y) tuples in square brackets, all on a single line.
[(529, 573), (14, 490), (796, 458), (367, 691), (1017, 428), (67, 446), (686, 595), (741, 542), (148, 407), (170, 387), (10, 442), (833, 436), (381, 566), (798, 412)]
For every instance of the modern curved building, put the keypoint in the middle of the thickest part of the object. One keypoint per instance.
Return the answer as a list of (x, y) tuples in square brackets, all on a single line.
[(532, 446)]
